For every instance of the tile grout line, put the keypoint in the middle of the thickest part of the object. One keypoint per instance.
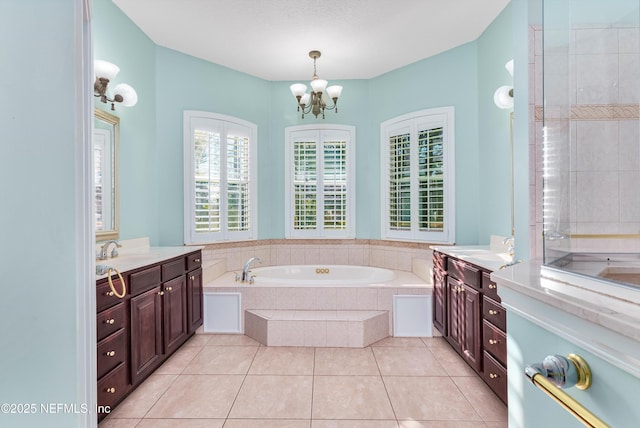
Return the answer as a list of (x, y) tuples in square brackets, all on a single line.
[(241, 385), (178, 375), (395, 416)]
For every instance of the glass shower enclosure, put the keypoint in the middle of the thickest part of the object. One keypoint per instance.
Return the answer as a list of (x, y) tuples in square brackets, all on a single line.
[(591, 143)]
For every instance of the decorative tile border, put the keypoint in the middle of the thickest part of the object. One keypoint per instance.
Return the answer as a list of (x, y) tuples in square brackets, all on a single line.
[(592, 112)]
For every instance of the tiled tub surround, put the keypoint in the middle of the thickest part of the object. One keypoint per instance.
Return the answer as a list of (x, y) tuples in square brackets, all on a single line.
[(317, 306), (402, 256)]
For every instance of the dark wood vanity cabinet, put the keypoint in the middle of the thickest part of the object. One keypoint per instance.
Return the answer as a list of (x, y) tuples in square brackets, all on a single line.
[(161, 310), (468, 313)]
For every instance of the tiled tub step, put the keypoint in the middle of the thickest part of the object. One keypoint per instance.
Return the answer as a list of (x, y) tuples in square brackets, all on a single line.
[(346, 329)]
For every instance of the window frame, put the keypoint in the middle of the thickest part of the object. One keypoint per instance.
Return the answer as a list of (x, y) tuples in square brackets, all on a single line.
[(413, 123), (321, 133), (224, 123)]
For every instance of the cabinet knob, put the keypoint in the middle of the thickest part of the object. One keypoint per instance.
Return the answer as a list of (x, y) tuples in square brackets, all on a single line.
[(161, 293), (492, 286), (493, 342), (169, 288), (109, 293), (192, 278), (492, 312), (196, 260), (111, 390), (493, 375), (109, 321), (111, 353)]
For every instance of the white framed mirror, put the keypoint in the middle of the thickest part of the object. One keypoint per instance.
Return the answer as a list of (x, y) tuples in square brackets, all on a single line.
[(106, 138)]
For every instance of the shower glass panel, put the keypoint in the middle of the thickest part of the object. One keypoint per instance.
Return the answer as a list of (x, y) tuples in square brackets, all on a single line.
[(591, 139)]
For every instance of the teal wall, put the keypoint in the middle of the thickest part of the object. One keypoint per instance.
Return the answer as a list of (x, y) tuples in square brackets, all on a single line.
[(116, 39), (495, 48), (169, 82), (41, 337)]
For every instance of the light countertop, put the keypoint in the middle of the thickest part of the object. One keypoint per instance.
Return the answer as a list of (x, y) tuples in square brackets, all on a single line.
[(137, 257), (480, 255)]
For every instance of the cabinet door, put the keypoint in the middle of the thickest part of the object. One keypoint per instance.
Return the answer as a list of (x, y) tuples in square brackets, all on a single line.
[(454, 312), (471, 315), (440, 300), (146, 333), (194, 300), (174, 313)]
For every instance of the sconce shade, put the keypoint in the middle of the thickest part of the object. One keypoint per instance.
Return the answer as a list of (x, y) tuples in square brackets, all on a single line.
[(298, 89), (509, 67), (503, 97), (105, 69), (305, 99), (128, 94), (319, 85), (334, 91)]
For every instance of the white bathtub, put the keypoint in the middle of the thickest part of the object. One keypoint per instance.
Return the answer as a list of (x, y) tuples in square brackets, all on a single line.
[(330, 275)]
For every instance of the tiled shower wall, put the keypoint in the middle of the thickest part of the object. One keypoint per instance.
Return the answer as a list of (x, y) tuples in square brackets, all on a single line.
[(362, 252), (591, 93)]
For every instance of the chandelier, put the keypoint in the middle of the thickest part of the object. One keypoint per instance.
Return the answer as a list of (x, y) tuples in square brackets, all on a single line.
[(314, 102)]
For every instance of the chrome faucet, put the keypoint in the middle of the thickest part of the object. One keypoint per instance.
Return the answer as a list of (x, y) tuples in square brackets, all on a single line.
[(245, 271), (511, 246), (102, 255)]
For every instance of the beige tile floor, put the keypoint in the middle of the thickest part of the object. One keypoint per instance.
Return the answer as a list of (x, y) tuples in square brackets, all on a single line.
[(232, 381)]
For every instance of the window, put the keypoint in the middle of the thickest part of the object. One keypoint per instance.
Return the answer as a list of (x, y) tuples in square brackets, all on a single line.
[(418, 176), (219, 178), (320, 193)]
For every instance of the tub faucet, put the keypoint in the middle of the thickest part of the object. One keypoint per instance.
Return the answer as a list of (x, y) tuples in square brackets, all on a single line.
[(103, 250), (245, 271)]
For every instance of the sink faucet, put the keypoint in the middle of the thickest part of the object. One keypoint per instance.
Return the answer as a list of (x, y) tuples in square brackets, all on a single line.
[(511, 246), (103, 250), (245, 271)]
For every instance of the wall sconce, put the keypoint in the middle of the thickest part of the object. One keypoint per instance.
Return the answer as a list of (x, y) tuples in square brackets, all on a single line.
[(123, 93), (503, 97)]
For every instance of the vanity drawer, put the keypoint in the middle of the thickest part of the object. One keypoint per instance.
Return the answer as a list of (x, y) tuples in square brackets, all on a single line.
[(105, 298), (111, 320), (112, 388), (495, 375), (194, 261), (494, 341), (493, 312), (144, 280), (111, 352), (465, 272), (489, 287), (172, 269)]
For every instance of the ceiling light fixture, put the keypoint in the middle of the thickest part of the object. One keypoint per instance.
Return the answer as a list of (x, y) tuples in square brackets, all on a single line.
[(123, 93), (503, 97), (314, 102)]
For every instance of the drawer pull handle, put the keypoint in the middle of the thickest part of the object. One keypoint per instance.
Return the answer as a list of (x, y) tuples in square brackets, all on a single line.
[(109, 321), (492, 286), (111, 390), (493, 342), (492, 312), (494, 376), (111, 353)]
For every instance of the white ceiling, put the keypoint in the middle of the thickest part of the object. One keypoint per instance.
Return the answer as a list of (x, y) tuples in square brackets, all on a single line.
[(271, 39)]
